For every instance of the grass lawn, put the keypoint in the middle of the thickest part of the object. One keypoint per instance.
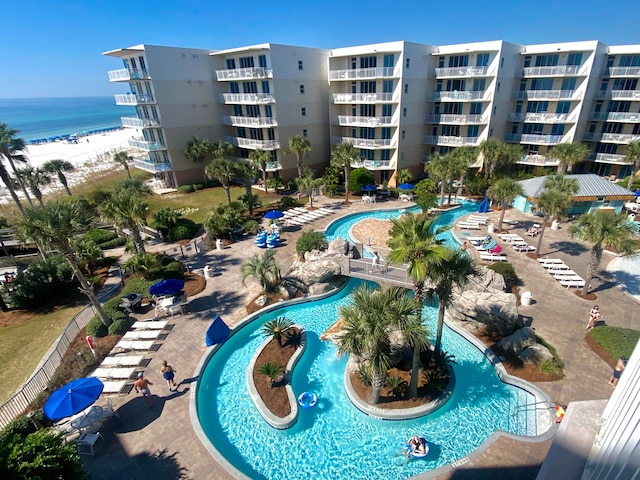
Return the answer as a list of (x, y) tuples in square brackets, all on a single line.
[(618, 342), (23, 345)]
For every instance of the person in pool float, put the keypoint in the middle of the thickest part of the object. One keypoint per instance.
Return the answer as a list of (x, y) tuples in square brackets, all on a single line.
[(418, 445)]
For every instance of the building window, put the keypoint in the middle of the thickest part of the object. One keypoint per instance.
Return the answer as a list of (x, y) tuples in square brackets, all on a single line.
[(300, 65), (406, 88), (301, 89), (476, 109), (234, 87), (265, 86), (498, 87), (246, 62), (385, 155), (403, 133), (389, 61), (231, 63), (574, 59), (458, 61), (502, 62), (527, 61), (568, 84), (557, 129), (402, 156), (404, 112), (482, 60), (262, 61), (387, 86), (303, 111), (547, 60), (368, 62), (304, 133), (408, 64)]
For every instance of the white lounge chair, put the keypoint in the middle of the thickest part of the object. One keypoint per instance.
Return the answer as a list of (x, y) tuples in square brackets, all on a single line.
[(115, 373), (114, 386), (493, 258), (142, 335), (468, 226), (523, 247), (550, 261), (572, 282), (150, 325), (122, 361), (564, 274), (555, 267), (134, 344)]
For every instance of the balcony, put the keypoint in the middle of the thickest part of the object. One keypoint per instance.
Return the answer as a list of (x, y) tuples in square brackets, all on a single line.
[(146, 145), (373, 164), (538, 161), (542, 117), (449, 140), (544, 95), (368, 143), (248, 98), (124, 75), (621, 72), (622, 138), (609, 158), (615, 117), (455, 119), (135, 122), (149, 166), (362, 98), (252, 144), (457, 72), (559, 71), (456, 96), (131, 99), (534, 139), (244, 73), (619, 95), (348, 121), (362, 73), (273, 166), (250, 121)]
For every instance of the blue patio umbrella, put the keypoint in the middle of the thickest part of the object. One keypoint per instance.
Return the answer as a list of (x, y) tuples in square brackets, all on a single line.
[(170, 286), (217, 332), (406, 186), (273, 214), (637, 192), (369, 188), (72, 398)]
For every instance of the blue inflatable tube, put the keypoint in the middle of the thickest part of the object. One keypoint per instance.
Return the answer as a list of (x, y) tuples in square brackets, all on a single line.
[(307, 399)]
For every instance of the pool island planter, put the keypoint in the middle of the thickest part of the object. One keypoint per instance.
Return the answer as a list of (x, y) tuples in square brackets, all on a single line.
[(280, 423)]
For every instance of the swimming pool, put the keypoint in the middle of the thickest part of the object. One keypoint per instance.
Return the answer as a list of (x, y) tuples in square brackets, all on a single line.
[(334, 439)]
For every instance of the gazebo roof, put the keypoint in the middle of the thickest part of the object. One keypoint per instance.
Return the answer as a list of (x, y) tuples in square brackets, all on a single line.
[(590, 185)]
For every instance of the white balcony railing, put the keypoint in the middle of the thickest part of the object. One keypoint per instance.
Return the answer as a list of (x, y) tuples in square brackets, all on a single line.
[(609, 158), (134, 122), (454, 119), (534, 139), (449, 140), (244, 73), (463, 72), (146, 145), (612, 137), (248, 98), (366, 142), (347, 120), (252, 144), (149, 166), (131, 99), (621, 72), (459, 96), (619, 95), (124, 75), (538, 160), (362, 97), (373, 164), (569, 70), (615, 117), (544, 95), (273, 166), (361, 73), (542, 117), (250, 121)]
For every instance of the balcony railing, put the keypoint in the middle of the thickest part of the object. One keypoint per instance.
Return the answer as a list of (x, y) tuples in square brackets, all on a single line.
[(366, 142), (347, 120), (372, 164), (149, 166), (542, 117), (609, 158), (615, 117), (360, 73), (134, 122), (612, 137), (454, 119), (244, 73), (619, 95), (273, 166), (252, 144), (131, 99), (538, 160), (248, 98), (146, 145), (362, 97), (569, 70), (621, 72), (459, 96), (124, 75), (250, 121), (463, 72), (535, 139), (544, 95), (449, 140)]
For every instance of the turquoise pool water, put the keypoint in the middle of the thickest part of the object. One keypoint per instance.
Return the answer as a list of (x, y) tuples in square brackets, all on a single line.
[(334, 439)]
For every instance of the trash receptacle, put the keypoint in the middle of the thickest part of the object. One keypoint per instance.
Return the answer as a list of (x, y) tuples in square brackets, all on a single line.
[(219, 244), (491, 228), (555, 225), (208, 271), (525, 298)]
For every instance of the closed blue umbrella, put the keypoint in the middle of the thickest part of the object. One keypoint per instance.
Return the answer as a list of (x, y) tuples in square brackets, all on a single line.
[(170, 286), (406, 186), (73, 398), (369, 188), (273, 214)]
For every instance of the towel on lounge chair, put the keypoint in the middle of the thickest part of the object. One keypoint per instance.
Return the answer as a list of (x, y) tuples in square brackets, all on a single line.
[(495, 250)]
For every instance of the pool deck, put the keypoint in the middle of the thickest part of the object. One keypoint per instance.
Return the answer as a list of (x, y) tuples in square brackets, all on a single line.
[(160, 442)]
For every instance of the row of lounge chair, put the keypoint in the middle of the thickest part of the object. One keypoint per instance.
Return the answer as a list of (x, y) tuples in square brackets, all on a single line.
[(488, 249), (516, 242), (299, 216), (562, 273), (473, 222)]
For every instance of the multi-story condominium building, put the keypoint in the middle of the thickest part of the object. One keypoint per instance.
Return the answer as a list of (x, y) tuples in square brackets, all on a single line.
[(398, 102)]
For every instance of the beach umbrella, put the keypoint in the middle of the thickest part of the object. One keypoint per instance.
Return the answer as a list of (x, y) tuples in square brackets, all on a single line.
[(637, 192), (484, 206), (406, 186), (72, 398), (273, 215), (170, 286), (369, 188)]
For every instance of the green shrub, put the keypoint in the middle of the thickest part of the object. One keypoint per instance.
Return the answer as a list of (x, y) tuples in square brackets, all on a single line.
[(173, 270), (96, 328), (186, 189), (310, 240), (507, 271), (179, 232), (251, 226), (198, 186), (21, 426), (138, 285), (44, 282), (115, 243), (99, 236), (288, 202), (120, 325), (360, 177)]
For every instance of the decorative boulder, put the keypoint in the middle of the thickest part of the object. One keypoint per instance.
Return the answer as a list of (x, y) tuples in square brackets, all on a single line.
[(336, 247), (319, 271), (518, 341), (320, 288), (535, 354), (261, 301)]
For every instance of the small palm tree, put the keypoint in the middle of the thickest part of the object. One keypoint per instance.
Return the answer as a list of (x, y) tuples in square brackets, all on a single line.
[(260, 158), (34, 178), (504, 191), (568, 154), (127, 208), (343, 155), (263, 268), (276, 328), (468, 156), (299, 146), (224, 171), (633, 156), (250, 201), (437, 169), (89, 254), (58, 167), (490, 150), (554, 201), (272, 370), (404, 176), (144, 264), (247, 172), (123, 158), (200, 152), (10, 150), (307, 184)]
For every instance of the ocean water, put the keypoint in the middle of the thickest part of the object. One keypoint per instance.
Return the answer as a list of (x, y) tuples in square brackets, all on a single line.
[(47, 117)]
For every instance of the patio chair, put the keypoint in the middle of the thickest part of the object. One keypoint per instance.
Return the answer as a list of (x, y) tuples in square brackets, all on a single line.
[(113, 387), (86, 441)]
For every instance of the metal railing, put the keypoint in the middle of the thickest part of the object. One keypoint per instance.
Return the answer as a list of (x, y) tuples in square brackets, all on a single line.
[(615, 116), (465, 71), (449, 140), (365, 142), (541, 117), (362, 97), (244, 73), (454, 119), (552, 71), (363, 121), (544, 95), (461, 96), (359, 73), (621, 72)]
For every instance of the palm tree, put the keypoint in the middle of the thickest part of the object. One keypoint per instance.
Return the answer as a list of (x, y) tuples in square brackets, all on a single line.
[(454, 270), (343, 155), (199, 151), (224, 171), (222, 150), (263, 268), (34, 178), (468, 156), (299, 146), (403, 176), (568, 154), (127, 208), (604, 229), (276, 328), (10, 148), (271, 370), (246, 171), (58, 167), (123, 158), (437, 169), (307, 184), (554, 201), (57, 225), (633, 156), (504, 191), (491, 150), (260, 158), (414, 243)]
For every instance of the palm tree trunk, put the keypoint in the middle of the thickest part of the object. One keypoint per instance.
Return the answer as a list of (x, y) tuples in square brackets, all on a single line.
[(63, 181), (594, 262), (449, 186), (299, 162), (544, 225), (562, 168), (346, 184), (87, 289), (441, 309), (227, 192), (442, 193), (634, 170), (264, 178), (19, 178), (137, 238), (415, 362), (503, 205), (377, 382), (7, 182)]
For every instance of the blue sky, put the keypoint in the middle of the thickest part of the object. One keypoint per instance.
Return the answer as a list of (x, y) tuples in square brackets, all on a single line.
[(53, 49)]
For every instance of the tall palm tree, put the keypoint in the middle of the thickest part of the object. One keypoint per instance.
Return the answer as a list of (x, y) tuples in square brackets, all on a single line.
[(123, 158), (633, 155), (222, 150), (603, 229), (127, 208), (224, 171), (554, 201), (199, 151), (343, 155), (10, 148), (468, 155), (455, 269), (263, 268), (504, 191), (58, 167), (246, 171), (413, 242), (34, 178), (307, 183), (57, 225), (299, 146), (491, 150), (568, 154), (260, 158), (437, 169)]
